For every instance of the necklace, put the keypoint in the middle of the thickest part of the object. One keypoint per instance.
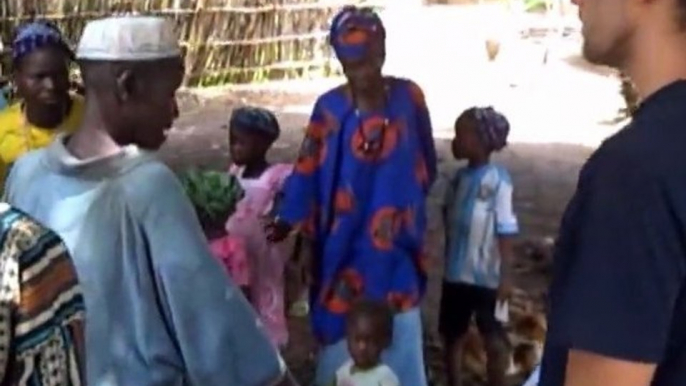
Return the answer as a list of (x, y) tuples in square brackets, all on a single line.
[(372, 142)]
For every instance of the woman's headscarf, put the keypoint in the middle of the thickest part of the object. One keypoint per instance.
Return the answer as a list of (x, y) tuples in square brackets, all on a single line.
[(354, 31), (256, 120), (36, 35), (492, 126)]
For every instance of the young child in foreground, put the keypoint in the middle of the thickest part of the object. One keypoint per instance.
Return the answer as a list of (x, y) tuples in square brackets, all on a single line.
[(479, 224), (252, 131), (369, 333)]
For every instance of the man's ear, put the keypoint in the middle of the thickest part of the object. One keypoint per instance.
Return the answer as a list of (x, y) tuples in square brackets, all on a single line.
[(125, 84)]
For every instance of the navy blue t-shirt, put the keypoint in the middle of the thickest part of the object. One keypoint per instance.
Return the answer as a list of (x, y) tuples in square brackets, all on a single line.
[(620, 261)]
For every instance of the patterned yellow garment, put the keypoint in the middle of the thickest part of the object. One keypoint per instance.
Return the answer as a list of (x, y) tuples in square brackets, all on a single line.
[(18, 136)]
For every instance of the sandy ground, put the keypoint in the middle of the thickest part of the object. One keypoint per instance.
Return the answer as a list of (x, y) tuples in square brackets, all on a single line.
[(544, 176), (559, 111)]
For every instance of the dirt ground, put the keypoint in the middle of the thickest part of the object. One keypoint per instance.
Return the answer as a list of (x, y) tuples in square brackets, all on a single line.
[(559, 106), (544, 177)]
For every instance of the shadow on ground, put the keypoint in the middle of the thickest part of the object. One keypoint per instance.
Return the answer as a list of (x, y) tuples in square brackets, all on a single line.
[(544, 176)]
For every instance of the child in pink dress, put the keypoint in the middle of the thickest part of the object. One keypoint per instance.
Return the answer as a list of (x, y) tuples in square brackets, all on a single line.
[(252, 131), (230, 250)]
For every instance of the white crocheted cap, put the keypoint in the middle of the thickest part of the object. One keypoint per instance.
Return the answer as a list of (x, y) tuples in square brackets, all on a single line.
[(128, 38)]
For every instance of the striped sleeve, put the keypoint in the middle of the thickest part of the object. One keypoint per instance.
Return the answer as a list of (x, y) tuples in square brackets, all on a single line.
[(48, 327)]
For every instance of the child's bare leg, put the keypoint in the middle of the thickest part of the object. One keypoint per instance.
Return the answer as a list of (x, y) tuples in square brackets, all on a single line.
[(495, 338), (498, 358), (453, 361), (455, 317)]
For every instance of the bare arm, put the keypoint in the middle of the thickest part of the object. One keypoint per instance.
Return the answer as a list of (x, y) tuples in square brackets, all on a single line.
[(619, 273), (505, 245), (507, 228), (588, 369)]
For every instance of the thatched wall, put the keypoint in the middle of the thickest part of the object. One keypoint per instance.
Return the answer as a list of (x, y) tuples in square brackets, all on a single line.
[(225, 41)]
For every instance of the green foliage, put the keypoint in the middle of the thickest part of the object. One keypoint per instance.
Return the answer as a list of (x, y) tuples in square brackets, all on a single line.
[(535, 5), (214, 194)]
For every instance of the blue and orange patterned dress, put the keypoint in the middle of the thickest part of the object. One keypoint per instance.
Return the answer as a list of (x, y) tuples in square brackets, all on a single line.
[(365, 211)]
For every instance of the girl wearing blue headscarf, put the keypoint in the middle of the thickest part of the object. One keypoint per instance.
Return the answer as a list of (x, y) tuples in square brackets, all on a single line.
[(359, 189), (40, 59)]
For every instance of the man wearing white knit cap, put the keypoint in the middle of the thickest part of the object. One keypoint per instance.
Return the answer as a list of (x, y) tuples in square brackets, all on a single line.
[(160, 311)]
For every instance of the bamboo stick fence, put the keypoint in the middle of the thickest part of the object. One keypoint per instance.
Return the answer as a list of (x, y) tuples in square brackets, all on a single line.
[(224, 41)]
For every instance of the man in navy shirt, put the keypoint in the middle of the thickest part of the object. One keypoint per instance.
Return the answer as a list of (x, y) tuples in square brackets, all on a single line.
[(617, 302)]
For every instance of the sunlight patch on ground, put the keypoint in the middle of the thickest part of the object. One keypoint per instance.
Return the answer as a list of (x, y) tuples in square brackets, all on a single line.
[(555, 102), (558, 101)]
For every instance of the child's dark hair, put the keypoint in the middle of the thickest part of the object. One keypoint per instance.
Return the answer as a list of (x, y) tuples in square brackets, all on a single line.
[(492, 127), (257, 120), (379, 312)]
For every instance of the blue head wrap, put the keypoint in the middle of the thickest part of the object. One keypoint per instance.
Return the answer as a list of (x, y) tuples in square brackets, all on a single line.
[(256, 120), (35, 35), (492, 126), (353, 31)]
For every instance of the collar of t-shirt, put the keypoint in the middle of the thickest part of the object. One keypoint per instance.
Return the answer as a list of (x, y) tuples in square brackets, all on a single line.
[(673, 94)]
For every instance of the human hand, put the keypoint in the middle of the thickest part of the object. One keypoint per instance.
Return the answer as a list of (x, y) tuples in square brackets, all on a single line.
[(505, 289), (277, 230)]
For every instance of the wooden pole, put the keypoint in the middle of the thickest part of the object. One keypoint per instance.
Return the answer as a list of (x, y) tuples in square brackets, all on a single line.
[(229, 41)]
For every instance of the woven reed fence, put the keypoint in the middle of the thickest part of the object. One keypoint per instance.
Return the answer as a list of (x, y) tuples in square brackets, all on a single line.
[(224, 41)]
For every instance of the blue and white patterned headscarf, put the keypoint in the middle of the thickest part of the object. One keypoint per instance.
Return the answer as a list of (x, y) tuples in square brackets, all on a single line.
[(492, 126), (256, 120), (35, 35)]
